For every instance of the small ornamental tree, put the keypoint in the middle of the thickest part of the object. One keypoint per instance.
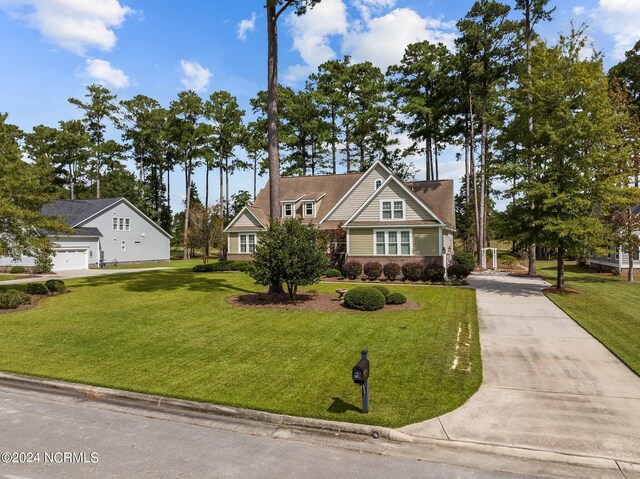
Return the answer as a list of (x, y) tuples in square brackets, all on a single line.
[(292, 253)]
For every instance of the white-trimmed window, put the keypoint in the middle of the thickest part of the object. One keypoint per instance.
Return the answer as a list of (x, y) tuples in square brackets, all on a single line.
[(115, 224), (123, 246), (127, 224), (309, 209), (377, 184), (392, 242), (247, 242), (287, 210), (392, 210), (121, 224)]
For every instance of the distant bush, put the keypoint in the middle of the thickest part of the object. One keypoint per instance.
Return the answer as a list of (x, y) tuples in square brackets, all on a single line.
[(333, 273), (372, 270), (352, 269), (36, 288), (457, 272), (17, 269), (434, 273), (223, 265), (44, 261), (392, 271), (13, 298), (203, 268), (55, 286), (465, 259), (396, 298), (412, 271), (364, 298), (383, 289)]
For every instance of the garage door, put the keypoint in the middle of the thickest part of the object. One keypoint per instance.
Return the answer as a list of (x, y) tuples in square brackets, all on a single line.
[(66, 259)]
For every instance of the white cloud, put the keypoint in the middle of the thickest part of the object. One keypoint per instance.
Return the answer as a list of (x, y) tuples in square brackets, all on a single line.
[(103, 72), (72, 24), (195, 76), (383, 40), (578, 10), (246, 25), (621, 20), (311, 34)]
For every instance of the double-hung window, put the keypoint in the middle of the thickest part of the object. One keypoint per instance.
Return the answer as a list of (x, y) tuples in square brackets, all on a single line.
[(115, 224), (121, 224), (287, 210), (309, 209), (247, 243), (393, 243), (392, 210)]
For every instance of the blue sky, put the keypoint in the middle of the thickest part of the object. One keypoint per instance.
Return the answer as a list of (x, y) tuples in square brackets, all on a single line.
[(52, 49)]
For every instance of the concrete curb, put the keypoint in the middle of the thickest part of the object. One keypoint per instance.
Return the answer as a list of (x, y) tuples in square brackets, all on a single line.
[(191, 408)]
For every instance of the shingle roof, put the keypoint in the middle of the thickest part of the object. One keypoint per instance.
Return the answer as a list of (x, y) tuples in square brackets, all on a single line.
[(334, 187), (73, 212), (438, 196)]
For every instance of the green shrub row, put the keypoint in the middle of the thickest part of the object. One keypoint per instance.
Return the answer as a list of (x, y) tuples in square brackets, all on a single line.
[(223, 265), (13, 298), (412, 271)]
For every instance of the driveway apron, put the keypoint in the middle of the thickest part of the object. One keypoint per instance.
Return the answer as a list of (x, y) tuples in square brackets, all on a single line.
[(548, 384)]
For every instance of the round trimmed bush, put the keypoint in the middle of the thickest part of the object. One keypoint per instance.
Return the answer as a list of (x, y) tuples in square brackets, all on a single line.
[(383, 289), (17, 269), (465, 259), (203, 268), (434, 273), (392, 271), (457, 272), (352, 269), (55, 286), (372, 270), (333, 273), (36, 288), (396, 298), (12, 298), (412, 271), (364, 298)]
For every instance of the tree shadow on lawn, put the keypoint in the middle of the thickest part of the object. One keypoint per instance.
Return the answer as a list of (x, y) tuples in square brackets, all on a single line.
[(338, 406), (161, 280), (578, 274)]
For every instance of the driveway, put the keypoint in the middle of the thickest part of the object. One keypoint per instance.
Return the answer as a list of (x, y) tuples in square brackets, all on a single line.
[(78, 273), (548, 384)]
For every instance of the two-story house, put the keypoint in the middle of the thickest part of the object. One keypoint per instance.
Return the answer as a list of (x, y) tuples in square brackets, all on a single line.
[(385, 219)]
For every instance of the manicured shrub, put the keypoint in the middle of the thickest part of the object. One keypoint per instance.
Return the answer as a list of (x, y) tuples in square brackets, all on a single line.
[(12, 298), (239, 265), (396, 298), (55, 286), (352, 269), (392, 271), (364, 298), (203, 268), (383, 289), (457, 272), (17, 269), (465, 259), (434, 273), (36, 288), (333, 273), (372, 270), (412, 271)]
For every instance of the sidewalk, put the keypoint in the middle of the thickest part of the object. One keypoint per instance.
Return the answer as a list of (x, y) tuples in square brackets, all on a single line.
[(548, 384), (79, 273)]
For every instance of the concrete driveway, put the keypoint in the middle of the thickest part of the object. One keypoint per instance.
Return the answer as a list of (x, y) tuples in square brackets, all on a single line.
[(548, 384), (78, 273)]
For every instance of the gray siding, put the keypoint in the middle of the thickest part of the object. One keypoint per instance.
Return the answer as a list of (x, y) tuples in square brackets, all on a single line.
[(144, 242), (247, 220), (358, 196), (393, 191)]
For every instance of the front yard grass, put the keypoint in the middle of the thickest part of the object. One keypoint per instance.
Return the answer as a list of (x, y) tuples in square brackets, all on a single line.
[(172, 333), (607, 306)]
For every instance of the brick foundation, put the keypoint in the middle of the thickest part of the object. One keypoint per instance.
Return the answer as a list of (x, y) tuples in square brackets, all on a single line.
[(239, 257)]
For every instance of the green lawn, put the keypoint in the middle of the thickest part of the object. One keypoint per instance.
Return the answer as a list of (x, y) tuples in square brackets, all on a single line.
[(171, 332), (607, 306), (7, 277)]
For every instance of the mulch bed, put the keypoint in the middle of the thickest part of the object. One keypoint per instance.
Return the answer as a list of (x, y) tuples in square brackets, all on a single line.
[(307, 302), (35, 299), (560, 291)]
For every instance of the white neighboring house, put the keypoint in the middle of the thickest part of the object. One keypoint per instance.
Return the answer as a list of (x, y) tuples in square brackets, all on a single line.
[(616, 259), (111, 229)]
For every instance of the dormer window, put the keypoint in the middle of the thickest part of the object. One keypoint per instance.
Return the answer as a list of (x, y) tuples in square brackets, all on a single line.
[(392, 210), (377, 184), (287, 210), (309, 209)]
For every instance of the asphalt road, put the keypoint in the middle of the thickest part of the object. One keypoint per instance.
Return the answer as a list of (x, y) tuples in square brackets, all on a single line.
[(133, 445)]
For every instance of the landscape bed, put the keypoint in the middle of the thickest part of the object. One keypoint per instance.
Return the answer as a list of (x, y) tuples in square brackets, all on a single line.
[(605, 305), (173, 333)]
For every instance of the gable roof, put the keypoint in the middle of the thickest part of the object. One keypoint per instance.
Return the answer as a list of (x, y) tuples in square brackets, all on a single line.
[(74, 212), (329, 189), (257, 213), (439, 195)]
